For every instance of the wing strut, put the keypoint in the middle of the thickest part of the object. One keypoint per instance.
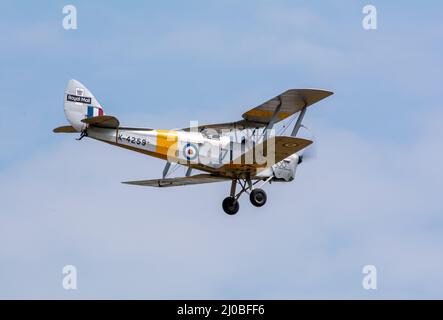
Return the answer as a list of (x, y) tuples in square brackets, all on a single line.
[(166, 169), (274, 116), (298, 123), (273, 119)]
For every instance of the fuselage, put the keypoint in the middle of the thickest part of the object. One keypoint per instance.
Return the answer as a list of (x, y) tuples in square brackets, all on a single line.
[(192, 149)]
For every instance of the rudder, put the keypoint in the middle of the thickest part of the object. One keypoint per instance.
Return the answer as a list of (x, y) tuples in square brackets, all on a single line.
[(80, 103)]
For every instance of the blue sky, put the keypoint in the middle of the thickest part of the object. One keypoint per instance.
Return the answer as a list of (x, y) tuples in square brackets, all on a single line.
[(370, 197)]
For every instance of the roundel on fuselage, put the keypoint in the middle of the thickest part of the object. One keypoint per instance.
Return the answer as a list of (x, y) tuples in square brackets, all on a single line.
[(190, 151)]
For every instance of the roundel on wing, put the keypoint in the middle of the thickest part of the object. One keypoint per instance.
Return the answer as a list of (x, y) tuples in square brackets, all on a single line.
[(190, 151)]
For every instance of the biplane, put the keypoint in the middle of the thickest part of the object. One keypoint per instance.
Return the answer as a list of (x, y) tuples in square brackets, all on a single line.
[(246, 152)]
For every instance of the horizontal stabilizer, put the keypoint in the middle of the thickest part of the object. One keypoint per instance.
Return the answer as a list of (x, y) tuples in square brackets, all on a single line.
[(102, 122), (181, 181), (65, 129)]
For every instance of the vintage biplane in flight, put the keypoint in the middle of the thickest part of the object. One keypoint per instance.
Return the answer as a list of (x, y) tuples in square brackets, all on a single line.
[(244, 152)]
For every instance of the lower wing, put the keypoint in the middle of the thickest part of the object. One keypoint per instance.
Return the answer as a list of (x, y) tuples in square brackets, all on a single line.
[(181, 181)]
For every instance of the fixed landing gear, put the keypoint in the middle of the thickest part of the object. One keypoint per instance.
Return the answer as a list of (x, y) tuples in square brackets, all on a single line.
[(256, 196), (230, 205)]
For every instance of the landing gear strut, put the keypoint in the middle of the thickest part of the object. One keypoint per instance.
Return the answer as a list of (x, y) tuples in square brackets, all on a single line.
[(230, 204), (256, 196)]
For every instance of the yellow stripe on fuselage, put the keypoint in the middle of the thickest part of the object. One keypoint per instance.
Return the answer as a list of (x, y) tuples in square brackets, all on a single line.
[(166, 142)]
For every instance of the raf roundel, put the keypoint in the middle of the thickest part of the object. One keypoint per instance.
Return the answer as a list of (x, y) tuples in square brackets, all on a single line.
[(190, 151)]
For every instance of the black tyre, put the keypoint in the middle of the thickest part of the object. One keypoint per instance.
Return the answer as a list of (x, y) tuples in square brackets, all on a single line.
[(230, 205), (258, 197)]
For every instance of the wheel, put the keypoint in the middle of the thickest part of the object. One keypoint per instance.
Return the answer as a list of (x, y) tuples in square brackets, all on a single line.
[(258, 197), (230, 205)]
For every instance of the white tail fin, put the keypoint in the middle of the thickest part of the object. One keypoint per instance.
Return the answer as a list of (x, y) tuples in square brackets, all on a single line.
[(80, 103)]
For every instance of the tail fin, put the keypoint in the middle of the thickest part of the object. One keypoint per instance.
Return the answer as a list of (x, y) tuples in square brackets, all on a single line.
[(80, 103)]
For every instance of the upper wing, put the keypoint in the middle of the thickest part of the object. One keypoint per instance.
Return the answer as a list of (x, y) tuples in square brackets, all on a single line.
[(181, 181), (292, 101)]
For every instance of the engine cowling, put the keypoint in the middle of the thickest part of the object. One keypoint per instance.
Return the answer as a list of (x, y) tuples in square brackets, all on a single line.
[(285, 169)]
